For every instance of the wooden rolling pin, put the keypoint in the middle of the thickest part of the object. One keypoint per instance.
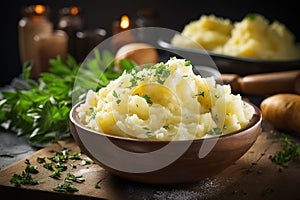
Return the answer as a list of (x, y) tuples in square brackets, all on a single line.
[(266, 83)]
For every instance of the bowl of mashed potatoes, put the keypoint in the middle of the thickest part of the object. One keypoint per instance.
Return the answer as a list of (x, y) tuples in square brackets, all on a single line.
[(164, 124), (251, 45)]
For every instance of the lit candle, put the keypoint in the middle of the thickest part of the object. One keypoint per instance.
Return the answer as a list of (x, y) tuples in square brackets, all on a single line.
[(121, 25), (121, 34), (35, 20), (49, 46)]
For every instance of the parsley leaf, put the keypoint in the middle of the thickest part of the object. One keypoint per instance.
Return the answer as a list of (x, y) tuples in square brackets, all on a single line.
[(147, 98)]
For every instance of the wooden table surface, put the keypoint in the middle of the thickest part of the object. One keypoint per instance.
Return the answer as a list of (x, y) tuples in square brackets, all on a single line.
[(253, 176)]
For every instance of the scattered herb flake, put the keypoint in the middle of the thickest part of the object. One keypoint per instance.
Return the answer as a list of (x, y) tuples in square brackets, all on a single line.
[(48, 165), (200, 94), (41, 159), (65, 187), (31, 169), (115, 94), (147, 98), (187, 63), (75, 156), (56, 174), (251, 16), (72, 177), (23, 179), (290, 152)]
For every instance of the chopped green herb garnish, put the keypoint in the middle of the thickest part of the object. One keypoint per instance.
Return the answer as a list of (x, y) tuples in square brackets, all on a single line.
[(56, 174), (215, 131), (48, 165), (200, 94), (86, 161), (166, 127), (23, 179), (75, 156), (41, 159), (118, 101), (147, 98), (251, 16), (31, 169), (149, 134), (187, 63), (115, 94), (62, 166), (27, 162), (93, 113), (72, 177), (161, 72), (65, 187), (290, 152)]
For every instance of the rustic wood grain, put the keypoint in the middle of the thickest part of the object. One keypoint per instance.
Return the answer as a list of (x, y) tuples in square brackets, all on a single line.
[(253, 176)]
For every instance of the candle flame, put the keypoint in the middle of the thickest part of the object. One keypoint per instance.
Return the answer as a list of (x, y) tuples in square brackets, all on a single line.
[(125, 22), (74, 10), (39, 9)]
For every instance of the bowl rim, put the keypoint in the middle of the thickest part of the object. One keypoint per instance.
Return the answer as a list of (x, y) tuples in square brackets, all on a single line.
[(257, 117), (169, 46)]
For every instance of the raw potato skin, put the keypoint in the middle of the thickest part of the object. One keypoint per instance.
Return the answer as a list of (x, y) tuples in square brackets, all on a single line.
[(140, 53), (282, 111)]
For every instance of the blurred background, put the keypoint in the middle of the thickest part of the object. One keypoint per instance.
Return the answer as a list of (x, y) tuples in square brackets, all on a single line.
[(101, 14)]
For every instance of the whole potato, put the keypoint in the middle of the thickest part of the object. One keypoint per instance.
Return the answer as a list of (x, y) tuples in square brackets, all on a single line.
[(282, 111), (139, 53)]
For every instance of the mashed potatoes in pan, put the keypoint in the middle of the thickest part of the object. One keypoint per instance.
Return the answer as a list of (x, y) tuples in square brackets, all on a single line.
[(253, 37), (166, 101)]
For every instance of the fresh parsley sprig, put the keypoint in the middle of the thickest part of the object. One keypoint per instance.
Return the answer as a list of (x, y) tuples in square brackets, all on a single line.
[(40, 109)]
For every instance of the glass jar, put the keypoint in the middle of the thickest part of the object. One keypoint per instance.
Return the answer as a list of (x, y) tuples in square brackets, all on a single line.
[(71, 21), (147, 17), (35, 20)]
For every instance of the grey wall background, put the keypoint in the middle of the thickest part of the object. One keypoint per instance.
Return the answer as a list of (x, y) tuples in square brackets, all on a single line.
[(174, 14)]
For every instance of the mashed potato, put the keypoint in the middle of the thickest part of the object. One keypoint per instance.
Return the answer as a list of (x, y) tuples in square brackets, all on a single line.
[(164, 102), (210, 32), (253, 37)]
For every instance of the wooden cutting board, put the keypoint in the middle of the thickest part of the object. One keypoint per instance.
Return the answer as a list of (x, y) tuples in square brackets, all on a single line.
[(253, 176)]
